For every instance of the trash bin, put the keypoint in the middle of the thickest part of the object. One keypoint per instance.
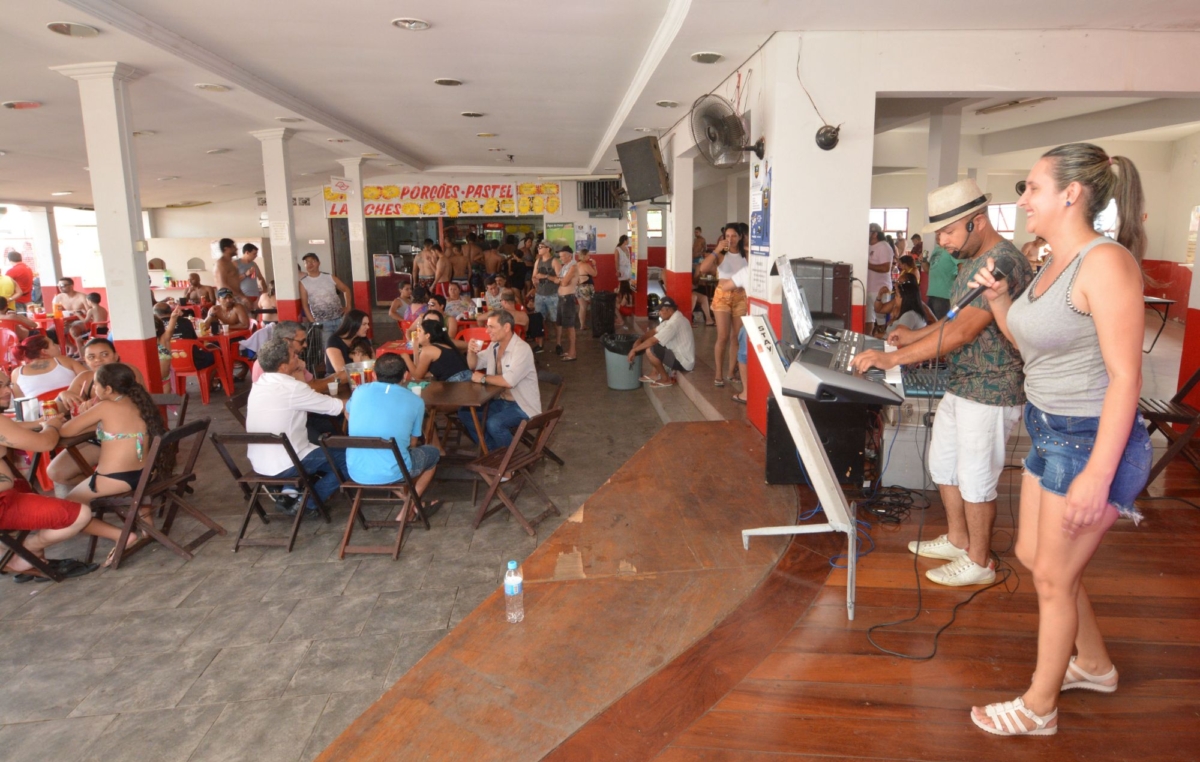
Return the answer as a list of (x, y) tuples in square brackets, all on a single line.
[(621, 374), (604, 313)]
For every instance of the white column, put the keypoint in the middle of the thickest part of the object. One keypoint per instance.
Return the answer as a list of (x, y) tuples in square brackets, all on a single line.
[(677, 280), (45, 247), (980, 176), (279, 216), (945, 135), (360, 263), (107, 120)]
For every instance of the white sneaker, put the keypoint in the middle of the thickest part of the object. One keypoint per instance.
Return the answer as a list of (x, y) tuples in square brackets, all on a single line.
[(962, 572), (940, 548)]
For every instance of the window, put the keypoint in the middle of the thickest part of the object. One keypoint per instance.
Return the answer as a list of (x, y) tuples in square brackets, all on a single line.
[(894, 221), (1106, 221), (654, 223), (1004, 219)]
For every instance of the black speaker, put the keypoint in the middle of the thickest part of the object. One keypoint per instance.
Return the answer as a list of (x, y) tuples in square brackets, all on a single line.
[(842, 429), (642, 165)]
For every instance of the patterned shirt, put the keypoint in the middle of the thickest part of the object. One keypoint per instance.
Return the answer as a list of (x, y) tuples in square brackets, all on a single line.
[(988, 369)]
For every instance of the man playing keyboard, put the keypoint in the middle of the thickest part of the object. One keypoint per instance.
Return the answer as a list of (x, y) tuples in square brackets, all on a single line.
[(984, 387)]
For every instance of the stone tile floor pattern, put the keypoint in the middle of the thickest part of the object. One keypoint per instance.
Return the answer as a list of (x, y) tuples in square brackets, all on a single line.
[(263, 654)]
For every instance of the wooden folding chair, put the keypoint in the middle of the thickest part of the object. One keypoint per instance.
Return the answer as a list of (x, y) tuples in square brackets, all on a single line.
[(1164, 415), (517, 460), (158, 486), (178, 401), (237, 406), (555, 380), (253, 486), (413, 504)]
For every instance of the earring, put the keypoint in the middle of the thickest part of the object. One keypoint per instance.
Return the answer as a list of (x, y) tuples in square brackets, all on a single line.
[(1068, 203)]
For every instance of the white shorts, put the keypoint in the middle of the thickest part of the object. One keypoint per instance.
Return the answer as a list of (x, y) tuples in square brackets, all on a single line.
[(968, 448)]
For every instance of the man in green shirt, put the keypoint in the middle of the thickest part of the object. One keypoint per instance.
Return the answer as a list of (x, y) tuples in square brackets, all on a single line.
[(943, 268)]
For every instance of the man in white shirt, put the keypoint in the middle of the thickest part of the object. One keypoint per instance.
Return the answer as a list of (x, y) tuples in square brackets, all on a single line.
[(279, 403), (879, 273), (507, 362), (671, 346)]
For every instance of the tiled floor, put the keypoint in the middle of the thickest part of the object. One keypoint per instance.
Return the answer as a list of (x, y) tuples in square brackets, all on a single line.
[(263, 654)]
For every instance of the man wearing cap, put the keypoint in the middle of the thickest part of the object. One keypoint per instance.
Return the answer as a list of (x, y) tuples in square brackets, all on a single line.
[(228, 311), (671, 345), (984, 387), (879, 272)]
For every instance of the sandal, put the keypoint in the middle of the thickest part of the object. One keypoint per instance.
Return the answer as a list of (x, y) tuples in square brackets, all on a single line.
[(1077, 678), (568, 358), (719, 383), (739, 399), (647, 380), (1006, 719), (431, 507)]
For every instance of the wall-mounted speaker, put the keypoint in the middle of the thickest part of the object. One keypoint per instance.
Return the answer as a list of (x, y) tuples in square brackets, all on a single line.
[(643, 168)]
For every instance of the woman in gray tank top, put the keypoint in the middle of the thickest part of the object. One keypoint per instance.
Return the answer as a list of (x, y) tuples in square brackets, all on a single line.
[(1079, 328)]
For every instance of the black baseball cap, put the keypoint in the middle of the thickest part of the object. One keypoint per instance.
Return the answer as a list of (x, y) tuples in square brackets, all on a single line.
[(667, 301)]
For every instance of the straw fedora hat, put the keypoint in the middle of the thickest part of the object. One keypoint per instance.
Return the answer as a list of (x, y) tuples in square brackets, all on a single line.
[(953, 202)]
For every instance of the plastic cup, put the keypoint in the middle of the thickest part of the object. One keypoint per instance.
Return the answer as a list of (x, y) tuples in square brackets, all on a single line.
[(333, 388)]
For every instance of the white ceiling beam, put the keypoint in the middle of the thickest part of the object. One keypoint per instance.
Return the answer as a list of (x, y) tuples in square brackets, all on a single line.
[(894, 113), (506, 169), (664, 36), (1123, 120), (164, 39)]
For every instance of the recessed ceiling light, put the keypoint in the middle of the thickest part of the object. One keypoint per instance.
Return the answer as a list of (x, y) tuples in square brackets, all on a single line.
[(395, 165), (169, 177), (472, 114), (217, 150), (3, 153), (486, 134), (209, 87), (305, 174), (666, 104), (337, 140), (447, 82), (369, 155), (143, 133), (643, 129), (21, 105), (707, 58), (497, 149), (221, 185), (62, 193), (288, 119), (411, 25), (72, 29)]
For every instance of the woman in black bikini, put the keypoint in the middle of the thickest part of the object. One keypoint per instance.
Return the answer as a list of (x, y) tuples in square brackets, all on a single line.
[(126, 422)]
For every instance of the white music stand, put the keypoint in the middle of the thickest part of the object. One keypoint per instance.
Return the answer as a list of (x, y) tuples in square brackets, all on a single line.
[(839, 513)]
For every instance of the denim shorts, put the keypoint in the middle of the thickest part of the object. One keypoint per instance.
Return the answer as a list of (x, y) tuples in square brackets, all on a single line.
[(423, 457), (743, 354), (1061, 448), (547, 307)]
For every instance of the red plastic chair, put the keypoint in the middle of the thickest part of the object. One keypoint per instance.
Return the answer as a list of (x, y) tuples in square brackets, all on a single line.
[(8, 342), (43, 474), (470, 334), (183, 366)]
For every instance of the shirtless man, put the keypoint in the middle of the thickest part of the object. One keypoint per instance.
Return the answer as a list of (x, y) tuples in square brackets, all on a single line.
[(443, 271), (228, 311), (225, 270), (73, 302), (426, 264), (460, 265), (472, 250), (492, 260), (197, 293)]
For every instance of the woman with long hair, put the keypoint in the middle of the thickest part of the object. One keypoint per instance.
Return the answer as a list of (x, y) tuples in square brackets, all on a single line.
[(435, 355), (40, 371), (1079, 328), (906, 307), (728, 262), (355, 324), (125, 421), (625, 308)]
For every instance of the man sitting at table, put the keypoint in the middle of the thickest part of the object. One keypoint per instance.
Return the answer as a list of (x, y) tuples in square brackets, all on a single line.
[(279, 404), (198, 293), (386, 408), (228, 312), (72, 301), (506, 362), (180, 327)]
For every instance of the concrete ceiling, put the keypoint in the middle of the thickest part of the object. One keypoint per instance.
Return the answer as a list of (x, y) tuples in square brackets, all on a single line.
[(560, 81)]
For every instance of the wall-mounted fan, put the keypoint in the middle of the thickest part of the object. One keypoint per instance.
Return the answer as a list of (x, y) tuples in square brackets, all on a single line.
[(719, 132)]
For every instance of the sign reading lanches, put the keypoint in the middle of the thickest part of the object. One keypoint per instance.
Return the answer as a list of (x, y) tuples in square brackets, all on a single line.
[(450, 200)]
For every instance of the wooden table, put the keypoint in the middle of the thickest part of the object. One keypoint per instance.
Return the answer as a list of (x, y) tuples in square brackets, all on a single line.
[(449, 397), (1154, 302)]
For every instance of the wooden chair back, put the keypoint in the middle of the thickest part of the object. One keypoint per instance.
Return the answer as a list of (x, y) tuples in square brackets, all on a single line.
[(237, 406)]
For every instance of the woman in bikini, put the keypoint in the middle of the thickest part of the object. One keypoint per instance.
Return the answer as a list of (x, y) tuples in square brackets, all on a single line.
[(78, 398), (126, 422)]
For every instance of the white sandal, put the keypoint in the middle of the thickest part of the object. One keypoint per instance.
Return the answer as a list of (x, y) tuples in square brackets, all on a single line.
[(1077, 678), (1006, 721)]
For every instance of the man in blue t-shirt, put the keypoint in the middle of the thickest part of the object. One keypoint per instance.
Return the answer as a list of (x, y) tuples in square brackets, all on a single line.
[(387, 409)]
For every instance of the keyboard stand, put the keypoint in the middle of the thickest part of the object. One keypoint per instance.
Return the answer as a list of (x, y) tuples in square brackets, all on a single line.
[(839, 513)]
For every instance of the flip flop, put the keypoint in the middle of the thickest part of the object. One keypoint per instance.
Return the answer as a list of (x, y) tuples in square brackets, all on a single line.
[(568, 358), (647, 380), (719, 383), (739, 400), (661, 384)]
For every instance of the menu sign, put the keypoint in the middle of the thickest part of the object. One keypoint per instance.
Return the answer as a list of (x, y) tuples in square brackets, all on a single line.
[(450, 200)]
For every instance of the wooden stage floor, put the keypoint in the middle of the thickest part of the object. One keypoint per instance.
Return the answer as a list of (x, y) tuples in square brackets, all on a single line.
[(707, 653)]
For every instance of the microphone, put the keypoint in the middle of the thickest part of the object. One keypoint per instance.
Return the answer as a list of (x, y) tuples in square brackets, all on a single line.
[(1000, 271)]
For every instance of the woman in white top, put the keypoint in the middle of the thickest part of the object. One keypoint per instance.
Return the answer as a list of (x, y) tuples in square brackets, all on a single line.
[(41, 372), (728, 263), (624, 260)]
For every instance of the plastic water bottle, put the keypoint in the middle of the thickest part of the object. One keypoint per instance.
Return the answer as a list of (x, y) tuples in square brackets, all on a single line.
[(514, 594)]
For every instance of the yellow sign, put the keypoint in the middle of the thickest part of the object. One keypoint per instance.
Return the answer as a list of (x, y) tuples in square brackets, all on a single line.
[(450, 200)]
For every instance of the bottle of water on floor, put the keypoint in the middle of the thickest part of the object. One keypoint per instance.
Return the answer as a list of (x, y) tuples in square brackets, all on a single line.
[(514, 594)]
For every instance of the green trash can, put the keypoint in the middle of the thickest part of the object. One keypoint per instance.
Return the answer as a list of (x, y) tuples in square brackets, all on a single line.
[(621, 374)]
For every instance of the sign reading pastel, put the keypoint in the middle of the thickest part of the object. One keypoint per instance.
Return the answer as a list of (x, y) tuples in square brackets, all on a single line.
[(450, 200)]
